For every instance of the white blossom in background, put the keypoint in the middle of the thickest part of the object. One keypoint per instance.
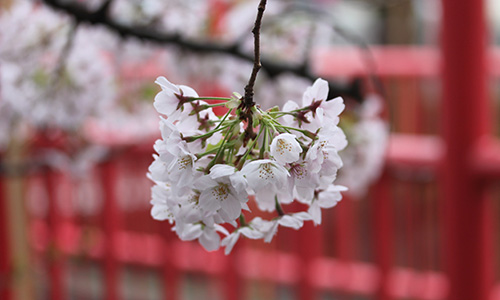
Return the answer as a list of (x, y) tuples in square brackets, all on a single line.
[(186, 17), (208, 168), (364, 157), (274, 91), (44, 84), (121, 126), (78, 164), (240, 19), (25, 42), (136, 12)]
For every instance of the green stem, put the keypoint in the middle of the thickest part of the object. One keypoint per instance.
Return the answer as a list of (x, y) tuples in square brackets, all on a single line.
[(207, 98), (250, 148), (208, 134), (242, 221), (277, 114), (222, 120), (222, 146), (268, 136), (279, 209), (213, 150), (198, 109), (269, 122), (229, 154), (301, 109), (215, 105), (263, 149), (304, 132)]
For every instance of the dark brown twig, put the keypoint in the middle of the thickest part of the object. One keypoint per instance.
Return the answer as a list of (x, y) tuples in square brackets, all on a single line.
[(248, 98), (65, 52)]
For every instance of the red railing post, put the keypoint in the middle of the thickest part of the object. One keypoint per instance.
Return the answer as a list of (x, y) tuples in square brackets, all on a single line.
[(345, 215), (465, 119), (171, 275), (234, 288), (110, 215), (383, 234), (5, 271), (55, 258), (310, 248), (345, 233)]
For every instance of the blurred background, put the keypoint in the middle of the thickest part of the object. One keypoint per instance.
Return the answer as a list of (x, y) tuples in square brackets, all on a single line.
[(420, 79)]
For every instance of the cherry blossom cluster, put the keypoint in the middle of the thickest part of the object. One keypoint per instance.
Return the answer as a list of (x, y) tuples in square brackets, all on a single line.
[(207, 167)]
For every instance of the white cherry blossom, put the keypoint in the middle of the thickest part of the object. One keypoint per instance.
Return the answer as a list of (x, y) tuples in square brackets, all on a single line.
[(289, 120), (182, 167), (207, 236), (161, 209), (158, 170), (168, 100), (323, 157), (190, 210), (218, 194), (325, 199), (285, 148), (302, 181), (267, 228), (265, 177), (247, 231), (316, 96), (334, 135)]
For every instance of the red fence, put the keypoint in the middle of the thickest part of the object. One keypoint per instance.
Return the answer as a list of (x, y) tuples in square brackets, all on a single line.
[(310, 262), (426, 231)]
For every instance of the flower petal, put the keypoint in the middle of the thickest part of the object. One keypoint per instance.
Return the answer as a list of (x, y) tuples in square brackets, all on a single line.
[(219, 170), (289, 221), (232, 207), (210, 240)]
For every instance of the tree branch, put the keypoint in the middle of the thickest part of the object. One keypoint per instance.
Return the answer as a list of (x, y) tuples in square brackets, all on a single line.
[(101, 17), (248, 98)]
